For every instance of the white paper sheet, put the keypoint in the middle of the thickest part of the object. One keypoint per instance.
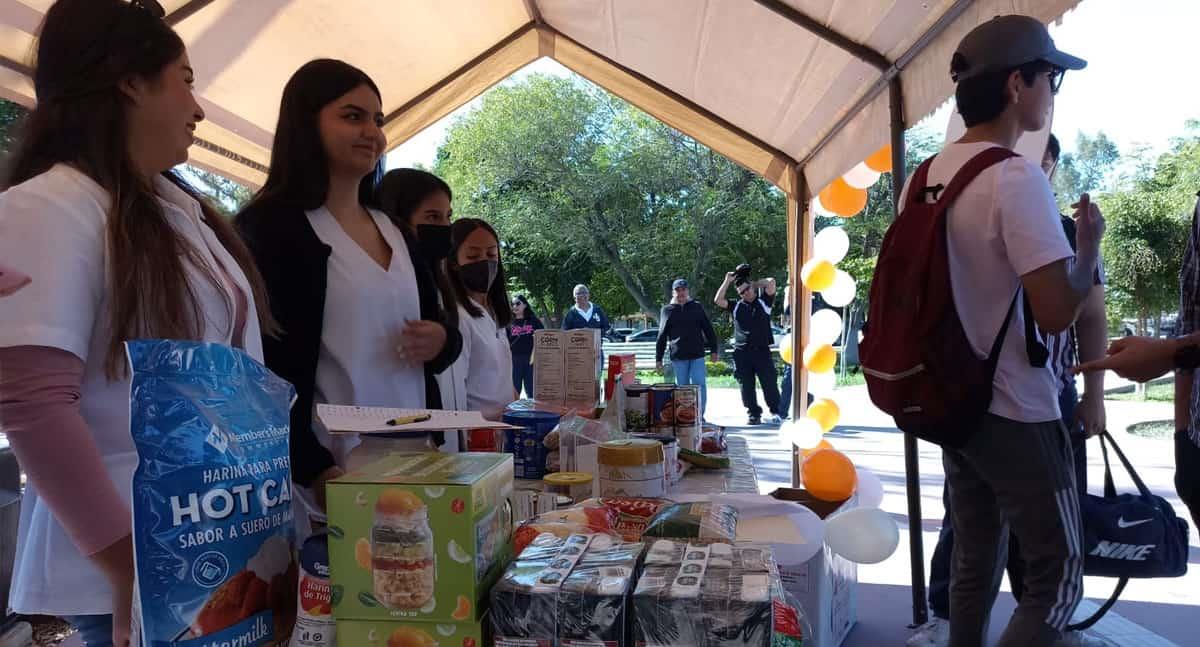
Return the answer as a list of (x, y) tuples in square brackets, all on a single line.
[(349, 419)]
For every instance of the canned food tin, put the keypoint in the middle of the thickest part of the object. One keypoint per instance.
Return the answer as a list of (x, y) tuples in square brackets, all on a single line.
[(687, 417), (576, 485), (662, 405), (527, 444), (637, 408), (632, 468), (670, 456)]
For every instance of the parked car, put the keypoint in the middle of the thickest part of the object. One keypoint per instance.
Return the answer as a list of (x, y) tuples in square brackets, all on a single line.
[(619, 334), (647, 335)]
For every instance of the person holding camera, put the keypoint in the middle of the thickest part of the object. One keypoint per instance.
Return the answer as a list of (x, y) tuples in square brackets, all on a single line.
[(752, 340)]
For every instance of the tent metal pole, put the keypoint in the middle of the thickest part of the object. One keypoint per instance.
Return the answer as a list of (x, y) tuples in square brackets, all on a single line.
[(835, 38), (186, 11), (912, 470)]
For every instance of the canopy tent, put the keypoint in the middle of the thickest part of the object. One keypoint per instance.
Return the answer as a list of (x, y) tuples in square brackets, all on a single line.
[(798, 91)]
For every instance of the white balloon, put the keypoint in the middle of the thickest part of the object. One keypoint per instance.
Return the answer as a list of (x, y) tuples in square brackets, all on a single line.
[(825, 327), (841, 293), (804, 433), (822, 385), (862, 535), (831, 244), (870, 488), (861, 176)]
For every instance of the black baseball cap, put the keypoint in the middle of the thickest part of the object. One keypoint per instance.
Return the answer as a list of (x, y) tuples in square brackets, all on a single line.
[(679, 283), (1005, 42)]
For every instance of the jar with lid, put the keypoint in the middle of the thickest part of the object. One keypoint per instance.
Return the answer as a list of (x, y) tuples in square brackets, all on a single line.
[(632, 467), (402, 555)]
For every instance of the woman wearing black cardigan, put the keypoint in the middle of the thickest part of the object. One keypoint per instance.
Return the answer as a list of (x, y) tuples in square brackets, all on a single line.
[(356, 302)]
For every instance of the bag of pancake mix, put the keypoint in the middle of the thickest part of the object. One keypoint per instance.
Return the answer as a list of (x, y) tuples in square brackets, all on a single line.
[(212, 501)]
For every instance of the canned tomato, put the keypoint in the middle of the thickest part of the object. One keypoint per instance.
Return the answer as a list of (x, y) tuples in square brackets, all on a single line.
[(637, 408), (687, 417), (662, 408)]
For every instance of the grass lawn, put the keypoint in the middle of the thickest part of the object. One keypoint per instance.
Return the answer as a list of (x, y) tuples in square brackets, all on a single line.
[(1155, 392)]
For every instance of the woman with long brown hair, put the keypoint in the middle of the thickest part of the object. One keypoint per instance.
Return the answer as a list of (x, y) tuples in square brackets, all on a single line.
[(361, 324), (118, 248)]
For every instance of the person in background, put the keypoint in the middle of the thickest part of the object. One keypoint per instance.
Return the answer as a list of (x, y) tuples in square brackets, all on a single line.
[(118, 248), (684, 325), (342, 278), (1083, 418), (419, 203), (1145, 358), (520, 341), (585, 314), (477, 276), (752, 340)]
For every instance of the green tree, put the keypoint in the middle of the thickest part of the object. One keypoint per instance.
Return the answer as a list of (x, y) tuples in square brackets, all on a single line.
[(584, 188), (1086, 170), (226, 195), (1141, 248)]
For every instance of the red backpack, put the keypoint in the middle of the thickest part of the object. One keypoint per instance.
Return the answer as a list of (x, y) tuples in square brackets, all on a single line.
[(919, 365)]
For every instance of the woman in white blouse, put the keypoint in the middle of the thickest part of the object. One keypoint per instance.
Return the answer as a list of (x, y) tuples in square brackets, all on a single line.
[(118, 248), (360, 319), (477, 276)]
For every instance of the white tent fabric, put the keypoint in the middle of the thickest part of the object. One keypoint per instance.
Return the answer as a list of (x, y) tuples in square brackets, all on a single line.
[(731, 73)]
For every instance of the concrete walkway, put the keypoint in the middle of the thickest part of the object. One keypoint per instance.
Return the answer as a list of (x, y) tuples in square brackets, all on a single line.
[(1150, 612)]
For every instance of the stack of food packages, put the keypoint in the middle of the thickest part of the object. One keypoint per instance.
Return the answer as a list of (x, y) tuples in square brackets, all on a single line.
[(624, 571)]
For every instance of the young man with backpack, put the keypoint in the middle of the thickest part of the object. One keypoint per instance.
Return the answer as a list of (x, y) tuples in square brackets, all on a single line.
[(1085, 417), (980, 246)]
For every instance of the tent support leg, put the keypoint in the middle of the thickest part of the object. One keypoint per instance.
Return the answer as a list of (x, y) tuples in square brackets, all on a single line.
[(912, 471)]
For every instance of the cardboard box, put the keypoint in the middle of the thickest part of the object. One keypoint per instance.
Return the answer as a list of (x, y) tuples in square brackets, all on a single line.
[(826, 585), (550, 365), (583, 364), (419, 536), (412, 633)]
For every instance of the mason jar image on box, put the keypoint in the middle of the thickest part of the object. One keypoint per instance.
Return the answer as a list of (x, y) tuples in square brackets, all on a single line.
[(402, 557), (632, 468), (637, 408), (687, 417)]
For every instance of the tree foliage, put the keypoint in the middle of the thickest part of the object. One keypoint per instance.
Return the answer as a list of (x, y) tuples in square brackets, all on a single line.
[(585, 188)]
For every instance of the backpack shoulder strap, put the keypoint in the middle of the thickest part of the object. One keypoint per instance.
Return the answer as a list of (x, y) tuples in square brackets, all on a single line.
[(972, 169), (916, 188)]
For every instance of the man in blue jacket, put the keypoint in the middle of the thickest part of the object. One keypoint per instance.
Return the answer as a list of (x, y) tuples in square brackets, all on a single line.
[(685, 326)]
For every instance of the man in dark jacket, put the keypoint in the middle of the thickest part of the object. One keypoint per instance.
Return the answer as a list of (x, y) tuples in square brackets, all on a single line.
[(752, 341), (685, 325)]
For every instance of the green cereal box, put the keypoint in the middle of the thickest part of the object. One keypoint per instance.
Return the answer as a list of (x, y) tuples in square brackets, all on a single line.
[(400, 633), (419, 536)]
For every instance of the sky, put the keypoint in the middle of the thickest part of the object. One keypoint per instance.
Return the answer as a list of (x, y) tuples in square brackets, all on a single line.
[(1135, 87)]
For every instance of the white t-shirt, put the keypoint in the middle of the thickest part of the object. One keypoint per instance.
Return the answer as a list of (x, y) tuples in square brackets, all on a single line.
[(489, 364), (54, 228), (366, 307), (1004, 225)]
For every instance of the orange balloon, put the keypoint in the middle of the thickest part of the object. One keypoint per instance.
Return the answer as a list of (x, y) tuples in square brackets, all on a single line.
[(843, 199), (824, 444), (828, 475), (880, 160)]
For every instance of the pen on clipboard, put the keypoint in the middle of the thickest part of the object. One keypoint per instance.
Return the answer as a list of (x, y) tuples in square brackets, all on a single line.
[(408, 420)]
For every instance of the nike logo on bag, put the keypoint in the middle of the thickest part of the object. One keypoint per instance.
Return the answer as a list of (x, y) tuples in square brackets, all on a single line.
[(1121, 523)]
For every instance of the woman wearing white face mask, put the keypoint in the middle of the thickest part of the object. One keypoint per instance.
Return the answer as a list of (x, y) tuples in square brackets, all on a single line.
[(477, 276), (118, 248)]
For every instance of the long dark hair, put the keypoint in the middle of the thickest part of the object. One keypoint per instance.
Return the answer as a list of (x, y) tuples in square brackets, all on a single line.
[(399, 194), (529, 313), (498, 294), (299, 173), (85, 49)]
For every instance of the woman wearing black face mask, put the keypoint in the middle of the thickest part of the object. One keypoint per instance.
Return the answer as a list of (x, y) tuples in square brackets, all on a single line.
[(418, 203), (477, 278)]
